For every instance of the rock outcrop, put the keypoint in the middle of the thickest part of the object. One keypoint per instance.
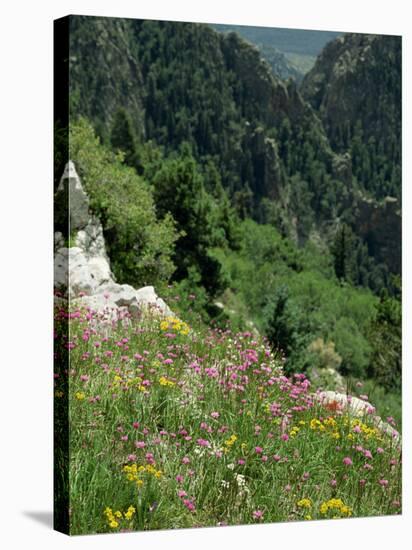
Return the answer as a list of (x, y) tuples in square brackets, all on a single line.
[(379, 223), (82, 267), (357, 408)]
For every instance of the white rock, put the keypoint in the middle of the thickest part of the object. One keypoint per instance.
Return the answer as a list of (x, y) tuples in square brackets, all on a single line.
[(85, 268)]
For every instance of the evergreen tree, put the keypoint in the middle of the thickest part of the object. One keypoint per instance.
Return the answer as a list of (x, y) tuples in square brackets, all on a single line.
[(179, 191), (385, 336), (122, 138), (342, 250)]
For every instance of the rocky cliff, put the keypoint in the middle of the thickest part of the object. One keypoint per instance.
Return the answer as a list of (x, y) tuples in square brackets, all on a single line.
[(357, 80), (82, 271)]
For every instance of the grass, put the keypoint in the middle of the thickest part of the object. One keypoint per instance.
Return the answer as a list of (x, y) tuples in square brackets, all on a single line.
[(174, 427)]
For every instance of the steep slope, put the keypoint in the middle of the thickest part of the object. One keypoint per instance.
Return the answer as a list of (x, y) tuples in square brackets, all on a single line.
[(355, 86), (186, 82)]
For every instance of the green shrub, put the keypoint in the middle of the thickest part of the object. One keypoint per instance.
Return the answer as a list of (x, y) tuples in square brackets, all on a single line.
[(140, 245)]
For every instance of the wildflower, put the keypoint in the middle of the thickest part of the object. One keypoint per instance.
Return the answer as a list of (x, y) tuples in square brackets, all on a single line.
[(181, 493), (333, 482), (130, 511), (383, 482), (79, 395), (214, 414), (189, 504), (185, 460), (276, 458), (113, 524), (139, 444), (258, 450), (131, 458), (203, 442), (84, 377), (347, 461), (163, 381), (336, 505), (305, 503), (258, 515), (284, 437)]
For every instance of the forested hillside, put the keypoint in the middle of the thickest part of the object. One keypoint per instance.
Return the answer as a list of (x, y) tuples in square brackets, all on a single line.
[(271, 199)]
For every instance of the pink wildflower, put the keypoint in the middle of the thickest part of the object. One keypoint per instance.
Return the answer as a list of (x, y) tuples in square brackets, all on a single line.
[(258, 514), (347, 461), (139, 444), (189, 505)]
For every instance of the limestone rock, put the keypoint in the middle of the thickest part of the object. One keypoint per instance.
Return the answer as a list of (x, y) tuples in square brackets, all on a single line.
[(71, 191), (82, 272)]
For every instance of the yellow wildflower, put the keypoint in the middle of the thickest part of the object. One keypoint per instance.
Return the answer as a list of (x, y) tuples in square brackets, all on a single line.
[(304, 503), (163, 381), (113, 524)]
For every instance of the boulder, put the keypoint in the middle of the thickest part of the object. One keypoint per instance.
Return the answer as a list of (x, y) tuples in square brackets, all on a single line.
[(76, 273)]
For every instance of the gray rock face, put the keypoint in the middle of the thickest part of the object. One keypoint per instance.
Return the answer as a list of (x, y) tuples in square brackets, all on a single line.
[(82, 272), (71, 187), (380, 224)]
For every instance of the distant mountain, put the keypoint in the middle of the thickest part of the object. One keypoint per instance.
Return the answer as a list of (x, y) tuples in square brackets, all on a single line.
[(296, 49)]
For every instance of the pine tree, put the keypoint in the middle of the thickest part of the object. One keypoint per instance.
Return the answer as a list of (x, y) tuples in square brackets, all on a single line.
[(122, 138)]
